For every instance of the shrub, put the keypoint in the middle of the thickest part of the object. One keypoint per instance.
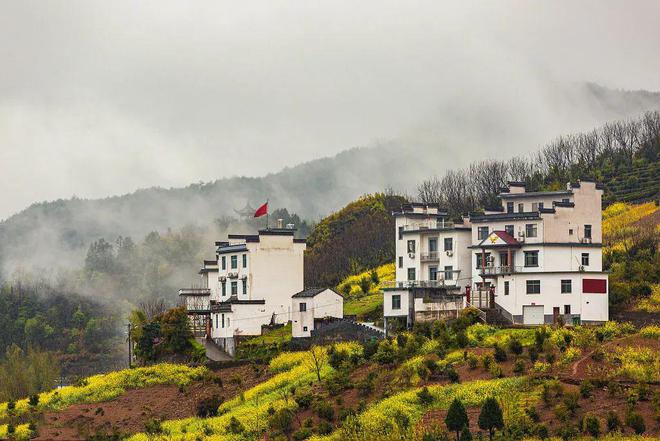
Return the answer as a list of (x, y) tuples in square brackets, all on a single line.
[(434, 433), (337, 382), (613, 422), (281, 420), (33, 400), (500, 354), (472, 360), (519, 367), (451, 374), (635, 421), (425, 397), (324, 410), (462, 339), (542, 431), (586, 387), (208, 407), (466, 435), (457, 417), (153, 426), (496, 370), (11, 405), (235, 427), (302, 434), (386, 352), (570, 401), (533, 353), (487, 360), (324, 428), (365, 285), (515, 346), (550, 358), (598, 355), (532, 414), (303, 399), (591, 425)]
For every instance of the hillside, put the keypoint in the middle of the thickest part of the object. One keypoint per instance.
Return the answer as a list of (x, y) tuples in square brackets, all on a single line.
[(567, 383), (67, 227)]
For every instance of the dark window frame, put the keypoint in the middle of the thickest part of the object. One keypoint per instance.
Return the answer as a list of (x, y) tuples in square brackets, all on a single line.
[(449, 241), (531, 254), (396, 302), (566, 286), (533, 287)]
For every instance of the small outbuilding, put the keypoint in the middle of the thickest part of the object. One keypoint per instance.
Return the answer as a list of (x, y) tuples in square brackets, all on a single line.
[(314, 304)]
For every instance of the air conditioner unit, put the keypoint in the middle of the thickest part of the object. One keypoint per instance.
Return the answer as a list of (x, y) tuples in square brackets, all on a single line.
[(244, 277), (450, 253), (232, 275), (490, 259), (222, 278), (586, 240), (521, 234), (581, 268), (411, 255)]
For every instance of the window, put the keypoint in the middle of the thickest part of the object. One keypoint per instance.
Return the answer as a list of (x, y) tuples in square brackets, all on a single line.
[(570, 231), (509, 207), (227, 321), (566, 286), (540, 205), (234, 288), (400, 233), (482, 233), (521, 208), (449, 272), (224, 262), (587, 231), (567, 309), (530, 230), (585, 259), (411, 246), (303, 306), (531, 258), (217, 322), (245, 286), (433, 273), (506, 288), (433, 245), (508, 229), (480, 258), (565, 200), (244, 260), (504, 259), (400, 261), (223, 320), (304, 328), (533, 287), (224, 288), (535, 206), (449, 244), (396, 301), (411, 274), (234, 262)]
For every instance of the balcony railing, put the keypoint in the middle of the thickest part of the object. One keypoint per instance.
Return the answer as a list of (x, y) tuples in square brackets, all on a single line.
[(431, 256), (407, 284), (428, 226), (499, 270), (195, 292)]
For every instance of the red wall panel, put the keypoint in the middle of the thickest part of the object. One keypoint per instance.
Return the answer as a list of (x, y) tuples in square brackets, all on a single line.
[(594, 286)]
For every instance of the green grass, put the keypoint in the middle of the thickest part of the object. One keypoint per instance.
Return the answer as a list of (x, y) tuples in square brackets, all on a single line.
[(279, 335), (364, 306)]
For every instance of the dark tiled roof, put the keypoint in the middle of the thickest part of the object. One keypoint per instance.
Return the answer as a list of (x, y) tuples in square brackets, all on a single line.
[(312, 292), (535, 194), (232, 248), (477, 217)]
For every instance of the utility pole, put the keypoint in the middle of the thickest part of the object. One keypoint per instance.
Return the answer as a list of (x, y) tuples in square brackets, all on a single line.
[(130, 343)]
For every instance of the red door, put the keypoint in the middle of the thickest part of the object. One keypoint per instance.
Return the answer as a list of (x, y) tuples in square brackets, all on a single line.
[(555, 314)]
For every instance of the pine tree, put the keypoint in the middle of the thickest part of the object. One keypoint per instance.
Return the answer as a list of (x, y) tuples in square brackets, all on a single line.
[(466, 435), (456, 417), (491, 417)]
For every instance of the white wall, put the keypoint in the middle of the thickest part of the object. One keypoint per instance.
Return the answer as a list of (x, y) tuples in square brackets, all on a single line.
[(387, 303), (325, 304)]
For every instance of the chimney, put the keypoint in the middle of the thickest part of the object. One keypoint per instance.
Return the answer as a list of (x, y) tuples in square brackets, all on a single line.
[(280, 223)]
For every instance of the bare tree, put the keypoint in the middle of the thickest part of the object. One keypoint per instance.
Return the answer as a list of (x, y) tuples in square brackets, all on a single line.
[(317, 358)]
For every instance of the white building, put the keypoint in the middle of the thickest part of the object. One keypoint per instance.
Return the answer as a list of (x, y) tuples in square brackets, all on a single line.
[(540, 257), (312, 304), (248, 285), (433, 266)]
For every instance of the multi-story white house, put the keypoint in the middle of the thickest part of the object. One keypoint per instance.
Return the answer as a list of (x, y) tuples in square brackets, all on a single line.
[(536, 259), (250, 284), (313, 304), (432, 265), (539, 259)]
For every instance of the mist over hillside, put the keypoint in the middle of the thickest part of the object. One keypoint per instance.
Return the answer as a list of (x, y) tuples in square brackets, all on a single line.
[(57, 234)]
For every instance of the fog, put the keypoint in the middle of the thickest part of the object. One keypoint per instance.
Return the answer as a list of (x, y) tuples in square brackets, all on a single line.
[(100, 98)]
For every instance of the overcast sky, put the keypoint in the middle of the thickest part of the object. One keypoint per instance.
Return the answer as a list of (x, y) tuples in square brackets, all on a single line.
[(102, 97)]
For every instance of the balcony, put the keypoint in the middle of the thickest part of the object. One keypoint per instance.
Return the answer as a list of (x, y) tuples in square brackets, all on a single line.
[(409, 284), (440, 225), (494, 271), (431, 256), (195, 292)]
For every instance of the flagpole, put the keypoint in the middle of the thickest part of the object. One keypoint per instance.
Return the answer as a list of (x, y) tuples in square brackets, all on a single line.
[(267, 227)]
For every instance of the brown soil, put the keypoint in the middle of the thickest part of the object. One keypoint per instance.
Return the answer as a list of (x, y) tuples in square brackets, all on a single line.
[(129, 412)]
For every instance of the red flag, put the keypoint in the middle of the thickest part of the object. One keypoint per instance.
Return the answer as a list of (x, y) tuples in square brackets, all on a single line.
[(261, 210)]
